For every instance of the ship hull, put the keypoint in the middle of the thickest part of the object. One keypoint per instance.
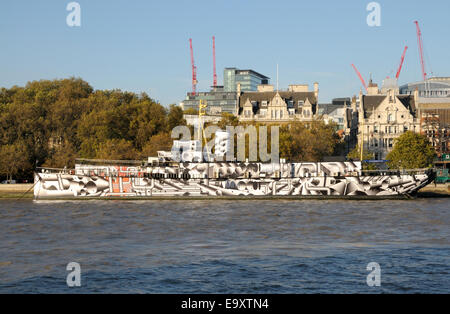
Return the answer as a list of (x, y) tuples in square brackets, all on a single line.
[(227, 180)]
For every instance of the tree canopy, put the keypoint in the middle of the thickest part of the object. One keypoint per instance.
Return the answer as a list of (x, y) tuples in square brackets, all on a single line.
[(355, 154), (52, 122), (411, 151)]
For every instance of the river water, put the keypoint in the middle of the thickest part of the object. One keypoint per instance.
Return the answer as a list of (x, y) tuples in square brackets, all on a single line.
[(225, 246)]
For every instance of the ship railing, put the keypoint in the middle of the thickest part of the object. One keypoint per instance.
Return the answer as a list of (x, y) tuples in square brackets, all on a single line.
[(84, 161), (392, 172), (93, 171), (54, 170)]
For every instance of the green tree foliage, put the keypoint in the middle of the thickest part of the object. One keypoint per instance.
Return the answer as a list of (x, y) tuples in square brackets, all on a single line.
[(62, 156), (175, 117), (228, 119), (411, 151), (355, 154), (13, 161), (298, 141), (191, 111), (51, 123), (160, 141), (116, 149), (312, 141)]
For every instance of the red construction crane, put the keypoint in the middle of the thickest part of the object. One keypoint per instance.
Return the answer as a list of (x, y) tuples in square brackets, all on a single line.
[(401, 63), (214, 62), (420, 44), (194, 70), (360, 77)]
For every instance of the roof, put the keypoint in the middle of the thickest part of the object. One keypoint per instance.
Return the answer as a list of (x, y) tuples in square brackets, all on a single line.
[(249, 70), (408, 101), (371, 102), (327, 109), (286, 95)]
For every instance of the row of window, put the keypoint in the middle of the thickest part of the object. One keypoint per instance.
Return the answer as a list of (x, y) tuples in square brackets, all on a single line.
[(277, 114), (382, 142), (290, 103), (391, 117), (390, 129)]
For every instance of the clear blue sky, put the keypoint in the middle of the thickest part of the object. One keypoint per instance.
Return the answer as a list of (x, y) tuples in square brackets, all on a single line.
[(143, 45)]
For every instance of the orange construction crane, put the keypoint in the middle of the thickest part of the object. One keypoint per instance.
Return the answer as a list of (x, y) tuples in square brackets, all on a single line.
[(214, 62), (401, 63), (194, 70), (360, 77)]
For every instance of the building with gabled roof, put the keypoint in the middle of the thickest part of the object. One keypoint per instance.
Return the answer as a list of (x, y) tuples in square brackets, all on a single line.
[(384, 117), (268, 105)]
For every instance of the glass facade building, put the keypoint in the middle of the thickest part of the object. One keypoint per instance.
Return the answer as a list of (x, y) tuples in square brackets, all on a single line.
[(248, 79), (217, 101), (433, 87), (225, 98)]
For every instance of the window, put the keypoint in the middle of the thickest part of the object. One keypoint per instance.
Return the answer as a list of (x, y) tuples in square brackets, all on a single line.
[(375, 129)]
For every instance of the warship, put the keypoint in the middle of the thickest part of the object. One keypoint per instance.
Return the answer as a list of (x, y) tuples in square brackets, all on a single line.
[(185, 172)]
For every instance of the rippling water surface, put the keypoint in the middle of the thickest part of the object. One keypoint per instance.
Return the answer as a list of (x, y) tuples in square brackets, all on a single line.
[(225, 246)]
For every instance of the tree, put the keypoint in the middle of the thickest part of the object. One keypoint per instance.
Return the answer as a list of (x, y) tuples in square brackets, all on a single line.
[(13, 159), (161, 141), (191, 111), (61, 157), (117, 150), (175, 117), (312, 141), (228, 119), (411, 151), (355, 154)]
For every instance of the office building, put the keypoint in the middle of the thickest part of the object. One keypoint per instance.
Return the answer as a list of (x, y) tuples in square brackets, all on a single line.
[(248, 79)]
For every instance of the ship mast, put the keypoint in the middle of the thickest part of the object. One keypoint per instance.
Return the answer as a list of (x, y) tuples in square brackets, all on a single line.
[(201, 132), (201, 112)]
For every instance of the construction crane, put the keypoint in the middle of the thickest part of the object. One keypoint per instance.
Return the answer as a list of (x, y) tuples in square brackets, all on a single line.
[(401, 63), (214, 62), (420, 44), (360, 77), (194, 70)]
